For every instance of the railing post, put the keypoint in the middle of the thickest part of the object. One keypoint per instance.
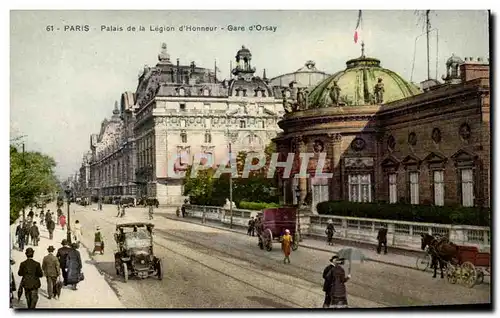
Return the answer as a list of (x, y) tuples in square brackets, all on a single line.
[(391, 231), (485, 237), (203, 216), (344, 227)]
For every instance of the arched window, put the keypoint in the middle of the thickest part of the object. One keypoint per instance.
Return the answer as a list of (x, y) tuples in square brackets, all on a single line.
[(208, 137)]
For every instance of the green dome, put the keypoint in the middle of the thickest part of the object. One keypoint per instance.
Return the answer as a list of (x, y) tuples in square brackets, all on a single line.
[(357, 83)]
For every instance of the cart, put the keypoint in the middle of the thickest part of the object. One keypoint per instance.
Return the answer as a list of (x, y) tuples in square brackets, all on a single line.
[(272, 224), (471, 267)]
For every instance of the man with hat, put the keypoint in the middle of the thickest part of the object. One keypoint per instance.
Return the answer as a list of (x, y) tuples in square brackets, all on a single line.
[(62, 256), (51, 269), (30, 271), (334, 288)]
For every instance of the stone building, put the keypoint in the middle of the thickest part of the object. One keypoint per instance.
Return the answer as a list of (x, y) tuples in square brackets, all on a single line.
[(84, 185), (386, 140), (112, 164), (184, 113)]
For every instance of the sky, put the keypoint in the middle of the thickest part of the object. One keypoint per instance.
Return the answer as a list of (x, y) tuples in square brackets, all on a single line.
[(64, 83)]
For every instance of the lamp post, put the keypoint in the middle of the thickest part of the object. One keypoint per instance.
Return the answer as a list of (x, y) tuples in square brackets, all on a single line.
[(297, 194), (68, 234)]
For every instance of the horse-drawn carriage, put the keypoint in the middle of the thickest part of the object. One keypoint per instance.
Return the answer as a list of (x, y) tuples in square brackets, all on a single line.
[(272, 223), (471, 267)]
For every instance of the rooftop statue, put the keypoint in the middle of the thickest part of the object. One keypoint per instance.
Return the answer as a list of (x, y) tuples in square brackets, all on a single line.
[(335, 93), (379, 92)]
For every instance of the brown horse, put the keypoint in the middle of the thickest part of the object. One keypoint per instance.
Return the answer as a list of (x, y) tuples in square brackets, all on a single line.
[(442, 251)]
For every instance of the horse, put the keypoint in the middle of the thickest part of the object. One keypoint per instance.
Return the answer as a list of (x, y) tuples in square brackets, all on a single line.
[(441, 250)]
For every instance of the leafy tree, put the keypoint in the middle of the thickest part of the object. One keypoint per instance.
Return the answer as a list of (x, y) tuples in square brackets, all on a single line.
[(31, 176)]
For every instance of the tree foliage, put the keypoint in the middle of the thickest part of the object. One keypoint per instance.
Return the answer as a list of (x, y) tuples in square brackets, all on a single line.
[(207, 190), (31, 175)]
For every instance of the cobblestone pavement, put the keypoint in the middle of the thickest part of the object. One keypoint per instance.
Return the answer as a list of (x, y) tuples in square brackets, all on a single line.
[(212, 268)]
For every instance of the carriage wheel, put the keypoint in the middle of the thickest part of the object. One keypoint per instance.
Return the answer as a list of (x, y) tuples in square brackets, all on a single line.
[(423, 262), (268, 240), (159, 269), (451, 274), (468, 274), (125, 272)]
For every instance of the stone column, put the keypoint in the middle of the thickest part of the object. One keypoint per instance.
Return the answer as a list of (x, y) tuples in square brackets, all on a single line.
[(301, 148), (336, 188)]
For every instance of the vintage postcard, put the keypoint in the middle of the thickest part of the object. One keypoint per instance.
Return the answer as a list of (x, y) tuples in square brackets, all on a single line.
[(250, 159)]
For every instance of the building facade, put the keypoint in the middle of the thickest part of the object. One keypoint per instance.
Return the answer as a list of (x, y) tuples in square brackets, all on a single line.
[(112, 164), (185, 114), (387, 140)]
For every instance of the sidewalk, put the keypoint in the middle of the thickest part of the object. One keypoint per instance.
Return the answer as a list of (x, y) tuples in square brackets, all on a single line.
[(395, 259), (93, 292)]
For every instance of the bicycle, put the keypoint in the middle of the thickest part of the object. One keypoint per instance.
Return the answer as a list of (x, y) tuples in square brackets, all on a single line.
[(423, 262)]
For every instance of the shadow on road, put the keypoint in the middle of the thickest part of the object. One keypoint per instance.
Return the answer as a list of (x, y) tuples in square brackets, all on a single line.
[(268, 302)]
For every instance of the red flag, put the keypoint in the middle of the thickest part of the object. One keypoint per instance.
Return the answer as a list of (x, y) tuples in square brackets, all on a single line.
[(358, 25)]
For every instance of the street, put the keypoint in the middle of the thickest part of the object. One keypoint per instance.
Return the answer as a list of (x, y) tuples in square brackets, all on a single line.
[(212, 268)]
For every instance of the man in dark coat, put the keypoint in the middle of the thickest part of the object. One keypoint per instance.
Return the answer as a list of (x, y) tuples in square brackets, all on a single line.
[(35, 234), (27, 230), (334, 285), (31, 214), (31, 272), (382, 240), (73, 266), (21, 236), (51, 226), (62, 256), (251, 227), (52, 270), (183, 210), (48, 216)]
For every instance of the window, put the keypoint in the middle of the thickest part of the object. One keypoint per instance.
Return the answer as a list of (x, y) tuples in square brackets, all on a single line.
[(243, 124), (182, 106), (319, 191), (414, 199), (262, 124), (207, 122), (208, 138), (183, 137), (360, 188), (467, 187), (183, 123), (438, 177), (393, 188)]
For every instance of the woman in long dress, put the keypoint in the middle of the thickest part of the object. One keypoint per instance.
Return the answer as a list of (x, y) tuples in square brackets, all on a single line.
[(73, 266), (77, 231), (338, 292), (286, 245)]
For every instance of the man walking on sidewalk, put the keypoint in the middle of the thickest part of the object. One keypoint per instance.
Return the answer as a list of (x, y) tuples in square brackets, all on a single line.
[(51, 226), (35, 234), (30, 271), (52, 270), (20, 236), (382, 240), (62, 256)]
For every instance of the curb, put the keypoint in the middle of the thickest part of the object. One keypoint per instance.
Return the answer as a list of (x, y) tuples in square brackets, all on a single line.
[(303, 245)]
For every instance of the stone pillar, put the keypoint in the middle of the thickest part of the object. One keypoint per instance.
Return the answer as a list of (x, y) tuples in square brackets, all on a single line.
[(301, 148), (336, 188), (160, 153)]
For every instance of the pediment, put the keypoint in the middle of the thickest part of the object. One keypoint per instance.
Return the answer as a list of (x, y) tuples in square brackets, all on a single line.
[(390, 161), (434, 157), (411, 160), (463, 155)]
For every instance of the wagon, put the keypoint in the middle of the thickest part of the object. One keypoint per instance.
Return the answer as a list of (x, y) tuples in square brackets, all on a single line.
[(470, 268), (273, 223)]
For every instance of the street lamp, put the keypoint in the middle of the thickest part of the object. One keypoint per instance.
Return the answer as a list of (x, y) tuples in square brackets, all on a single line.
[(68, 234), (297, 194)]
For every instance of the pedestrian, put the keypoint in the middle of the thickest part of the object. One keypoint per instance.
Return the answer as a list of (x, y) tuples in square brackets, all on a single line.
[(27, 227), (183, 210), (59, 213), (51, 270), (31, 272), (21, 236), (77, 231), (42, 218), (286, 245), (150, 212), (123, 211), (251, 227), (51, 226), (62, 221), (382, 239), (12, 282), (119, 210), (330, 229), (62, 256), (98, 241), (335, 280), (31, 214), (48, 217), (35, 234), (74, 266)]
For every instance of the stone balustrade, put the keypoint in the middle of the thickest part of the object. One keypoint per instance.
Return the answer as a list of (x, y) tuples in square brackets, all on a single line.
[(401, 234)]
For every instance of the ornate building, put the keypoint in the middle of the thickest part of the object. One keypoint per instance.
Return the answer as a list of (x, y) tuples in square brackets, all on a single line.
[(84, 184), (112, 168), (385, 140), (183, 111)]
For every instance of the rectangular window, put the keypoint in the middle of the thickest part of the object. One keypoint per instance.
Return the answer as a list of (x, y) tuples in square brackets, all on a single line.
[(242, 124), (393, 188), (414, 190), (183, 123), (183, 138), (207, 122), (360, 188), (467, 187), (438, 187), (182, 106)]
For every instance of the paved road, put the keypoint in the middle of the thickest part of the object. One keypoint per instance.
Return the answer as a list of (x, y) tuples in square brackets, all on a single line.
[(213, 268)]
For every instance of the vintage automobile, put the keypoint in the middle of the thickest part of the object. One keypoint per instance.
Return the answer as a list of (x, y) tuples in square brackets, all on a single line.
[(128, 202), (135, 256), (272, 223)]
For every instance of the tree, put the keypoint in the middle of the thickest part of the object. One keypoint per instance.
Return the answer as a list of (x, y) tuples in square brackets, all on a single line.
[(31, 175)]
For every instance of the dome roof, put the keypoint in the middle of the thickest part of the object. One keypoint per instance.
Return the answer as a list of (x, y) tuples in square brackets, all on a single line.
[(357, 83), (454, 60), (243, 52), (306, 76)]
